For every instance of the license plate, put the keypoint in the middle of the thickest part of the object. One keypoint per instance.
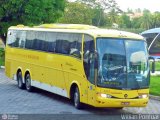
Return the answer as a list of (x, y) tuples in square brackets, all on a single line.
[(125, 103)]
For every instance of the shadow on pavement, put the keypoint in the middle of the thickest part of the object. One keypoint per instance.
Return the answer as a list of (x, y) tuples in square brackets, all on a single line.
[(87, 108)]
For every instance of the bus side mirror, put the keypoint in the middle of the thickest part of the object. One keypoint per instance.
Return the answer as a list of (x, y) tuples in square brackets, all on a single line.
[(152, 60), (76, 53)]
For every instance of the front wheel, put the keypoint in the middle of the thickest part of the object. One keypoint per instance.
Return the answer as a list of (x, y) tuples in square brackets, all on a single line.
[(77, 102), (28, 83)]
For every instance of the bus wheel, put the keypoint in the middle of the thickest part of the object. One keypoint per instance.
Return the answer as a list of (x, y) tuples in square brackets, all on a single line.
[(76, 99), (21, 85), (28, 83)]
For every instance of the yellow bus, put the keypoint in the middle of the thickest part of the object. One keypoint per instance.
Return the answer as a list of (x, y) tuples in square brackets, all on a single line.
[(98, 67)]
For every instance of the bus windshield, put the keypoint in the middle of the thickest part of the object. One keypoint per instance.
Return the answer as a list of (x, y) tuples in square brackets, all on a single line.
[(122, 64)]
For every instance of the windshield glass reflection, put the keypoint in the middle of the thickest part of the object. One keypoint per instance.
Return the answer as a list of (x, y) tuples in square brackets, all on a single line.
[(122, 64), (138, 67)]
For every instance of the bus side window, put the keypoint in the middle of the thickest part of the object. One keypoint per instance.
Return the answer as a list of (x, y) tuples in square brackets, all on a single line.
[(30, 37), (65, 46), (63, 43), (39, 42), (22, 38), (75, 45), (87, 59), (51, 41), (12, 38)]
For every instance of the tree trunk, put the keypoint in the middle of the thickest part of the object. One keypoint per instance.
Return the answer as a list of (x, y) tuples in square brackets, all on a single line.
[(99, 20)]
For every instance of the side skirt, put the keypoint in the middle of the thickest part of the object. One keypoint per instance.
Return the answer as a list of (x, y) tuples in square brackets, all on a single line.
[(49, 88)]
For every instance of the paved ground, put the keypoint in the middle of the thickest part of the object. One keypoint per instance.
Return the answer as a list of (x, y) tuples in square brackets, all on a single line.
[(16, 101)]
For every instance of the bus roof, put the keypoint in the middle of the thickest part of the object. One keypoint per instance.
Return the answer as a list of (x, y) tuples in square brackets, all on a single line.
[(80, 28), (67, 26)]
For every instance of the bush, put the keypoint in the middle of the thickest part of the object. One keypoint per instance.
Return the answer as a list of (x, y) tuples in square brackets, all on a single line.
[(157, 65), (154, 85), (2, 56)]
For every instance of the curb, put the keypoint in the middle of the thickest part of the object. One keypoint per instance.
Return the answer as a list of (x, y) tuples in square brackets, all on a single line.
[(2, 67), (156, 73), (154, 97)]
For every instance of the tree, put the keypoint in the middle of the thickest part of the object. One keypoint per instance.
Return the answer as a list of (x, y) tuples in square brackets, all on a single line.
[(124, 21), (155, 20), (102, 6), (146, 19), (29, 12), (130, 11), (136, 22), (97, 8), (77, 13), (138, 10), (100, 18)]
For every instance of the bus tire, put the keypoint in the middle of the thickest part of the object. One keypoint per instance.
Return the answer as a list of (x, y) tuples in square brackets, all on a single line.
[(21, 85), (76, 99), (28, 83)]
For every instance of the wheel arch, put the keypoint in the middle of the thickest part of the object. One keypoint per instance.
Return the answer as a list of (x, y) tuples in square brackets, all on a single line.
[(19, 69), (27, 72)]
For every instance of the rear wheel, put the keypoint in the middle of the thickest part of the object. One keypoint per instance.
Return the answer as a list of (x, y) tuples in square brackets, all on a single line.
[(76, 99), (21, 85), (28, 83)]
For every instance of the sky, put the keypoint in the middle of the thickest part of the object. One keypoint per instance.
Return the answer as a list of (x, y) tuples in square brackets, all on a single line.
[(152, 5)]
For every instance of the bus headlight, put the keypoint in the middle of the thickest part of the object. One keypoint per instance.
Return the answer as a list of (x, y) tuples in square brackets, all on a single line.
[(105, 95), (143, 95)]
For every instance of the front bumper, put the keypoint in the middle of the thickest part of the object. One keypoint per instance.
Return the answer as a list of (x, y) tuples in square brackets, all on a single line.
[(111, 102)]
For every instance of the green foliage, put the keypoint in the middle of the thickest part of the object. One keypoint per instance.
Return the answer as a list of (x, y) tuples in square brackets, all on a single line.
[(91, 12), (102, 13), (154, 85), (136, 23), (155, 18), (133, 30), (2, 56), (157, 66), (99, 18), (146, 19), (124, 21), (29, 12), (77, 13), (107, 12)]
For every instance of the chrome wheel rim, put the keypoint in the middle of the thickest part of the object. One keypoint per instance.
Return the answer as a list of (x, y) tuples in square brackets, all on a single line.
[(19, 81), (28, 83), (76, 97)]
